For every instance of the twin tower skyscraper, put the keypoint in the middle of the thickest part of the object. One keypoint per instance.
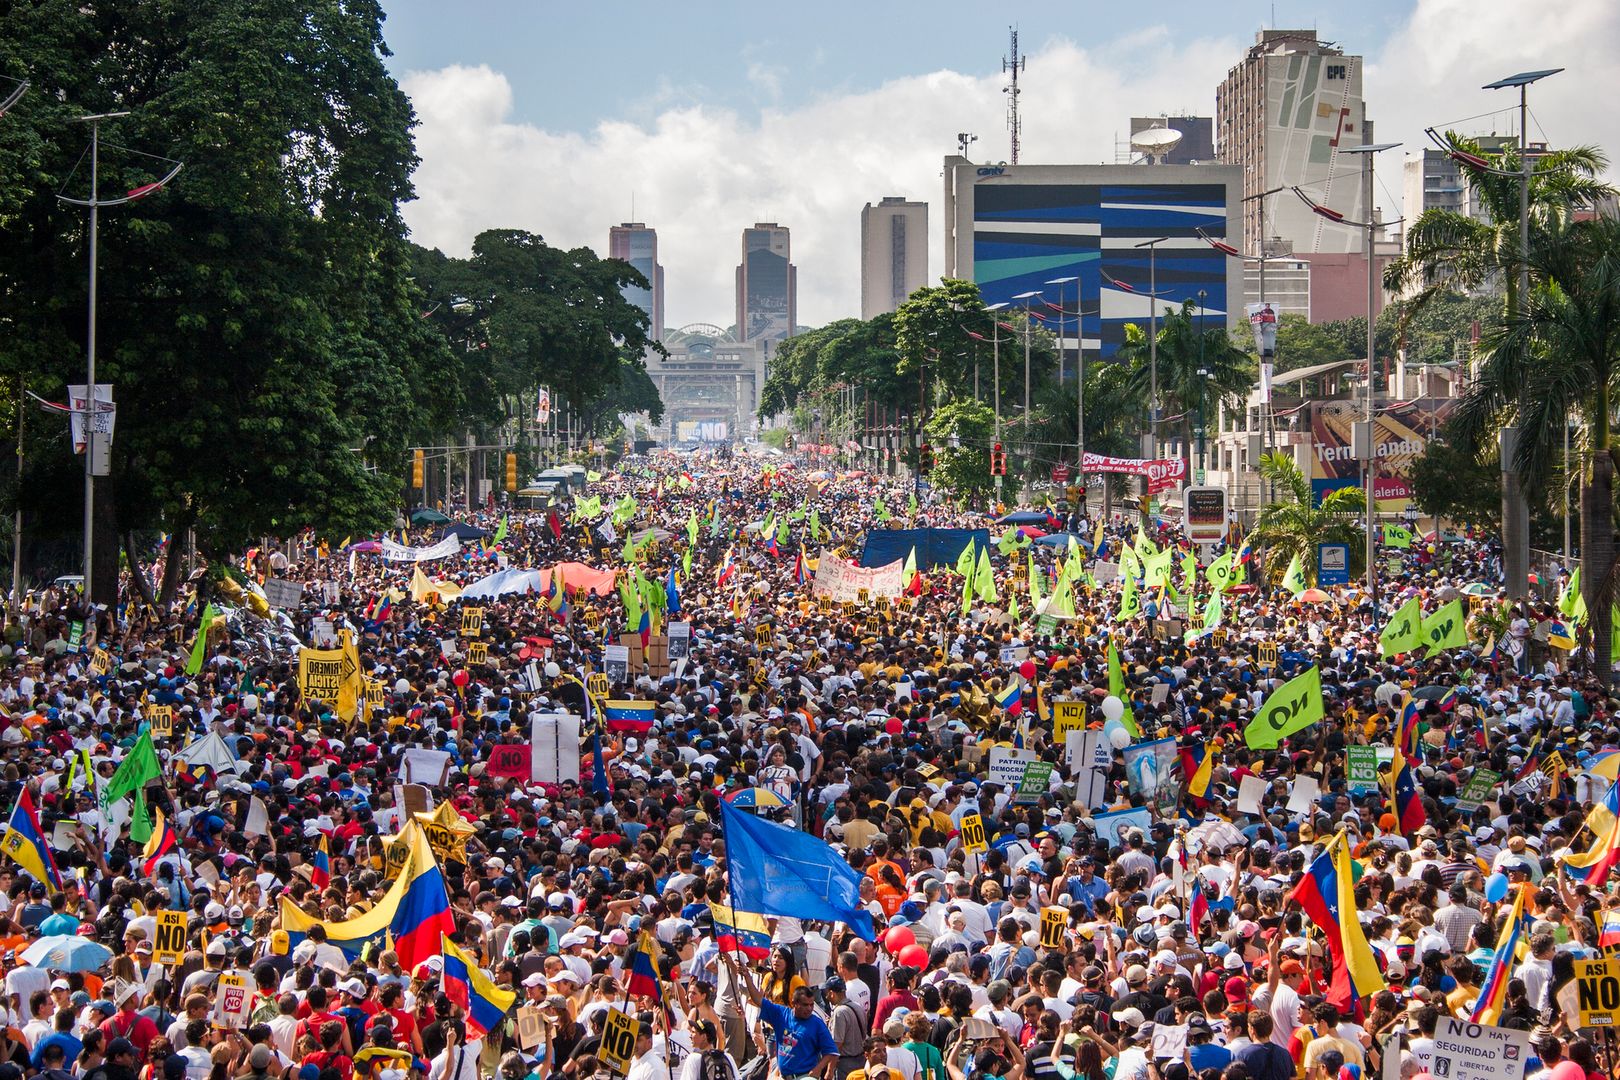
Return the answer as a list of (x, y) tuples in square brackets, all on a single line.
[(767, 280)]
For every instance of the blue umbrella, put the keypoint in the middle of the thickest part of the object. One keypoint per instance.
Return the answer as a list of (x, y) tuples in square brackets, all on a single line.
[(1061, 540), (66, 952)]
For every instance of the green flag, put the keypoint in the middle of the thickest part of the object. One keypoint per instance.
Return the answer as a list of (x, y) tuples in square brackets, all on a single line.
[(1404, 631), (199, 650), (1219, 572), (1012, 609), (624, 512), (768, 527), (1446, 628), (1292, 707), (985, 579), (967, 593), (1189, 572), (1156, 569), (1061, 603), (134, 773), (691, 528), (1130, 566), (1397, 536), (1570, 600), (1007, 542), (500, 530), (1294, 577), (911, 504), (1130, 604), (1116, 686), (782, 531), (686, 563), (592, 475), (1213, 612), (966, 560), (815, 525), (1034, 583)]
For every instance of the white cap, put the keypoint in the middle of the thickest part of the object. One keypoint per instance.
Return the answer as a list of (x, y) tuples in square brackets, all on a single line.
[(214, 912)]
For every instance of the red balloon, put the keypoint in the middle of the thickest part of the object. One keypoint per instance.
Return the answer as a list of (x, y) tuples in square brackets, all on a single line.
[(460, 678), (1027, 670), (914, 956), (898, 937)]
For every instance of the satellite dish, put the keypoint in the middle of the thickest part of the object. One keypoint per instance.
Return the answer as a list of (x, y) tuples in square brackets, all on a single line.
[(1155, 142)]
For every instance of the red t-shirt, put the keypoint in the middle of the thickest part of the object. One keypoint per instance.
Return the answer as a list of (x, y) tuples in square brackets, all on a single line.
[(138, 1029)]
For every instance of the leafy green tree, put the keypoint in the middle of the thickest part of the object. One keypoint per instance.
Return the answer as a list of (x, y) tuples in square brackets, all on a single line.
[(1447, 250), (856, 352), (1560, 357), (1449, 482), (1296, 523), (1185, 351), (256, 318), (965, 470), (1302, 343)]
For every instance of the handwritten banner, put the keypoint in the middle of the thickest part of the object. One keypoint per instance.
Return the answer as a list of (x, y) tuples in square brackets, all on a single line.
[(845, 582)]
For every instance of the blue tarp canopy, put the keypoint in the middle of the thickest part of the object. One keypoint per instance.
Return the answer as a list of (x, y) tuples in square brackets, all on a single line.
[(464, 531), (1062, 540), (935, 547), (1024, 517)]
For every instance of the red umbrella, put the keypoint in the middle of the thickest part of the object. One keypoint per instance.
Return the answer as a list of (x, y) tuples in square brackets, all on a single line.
[(1312, 596)]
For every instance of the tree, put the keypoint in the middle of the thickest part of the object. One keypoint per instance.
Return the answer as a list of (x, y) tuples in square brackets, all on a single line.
[(1302, 343), (1447, 250), (1184, 351), (1560, 357), (256, 318), (1450, 482), (1295, 524), (853, 352), (964, 470)]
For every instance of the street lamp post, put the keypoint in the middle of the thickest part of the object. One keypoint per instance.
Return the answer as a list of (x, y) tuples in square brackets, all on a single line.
[(1153, 341), (1369, 441), (1060, 282), (1203, 384), (1028, 298), (1515, 508), (95, 203)]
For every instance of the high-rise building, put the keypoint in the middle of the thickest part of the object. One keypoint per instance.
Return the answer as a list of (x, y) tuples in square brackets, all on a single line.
[(1197, 145), (894, 253), (1433, 181), (1284, 114), (637, 245), (767, 285)]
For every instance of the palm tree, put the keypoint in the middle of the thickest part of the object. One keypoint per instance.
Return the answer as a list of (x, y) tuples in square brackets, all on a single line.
[(1558, 357), (1297, 523), (1449, 250), (1185, 349)]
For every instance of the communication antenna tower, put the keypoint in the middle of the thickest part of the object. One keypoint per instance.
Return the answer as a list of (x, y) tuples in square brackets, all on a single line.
[(1013, 66)]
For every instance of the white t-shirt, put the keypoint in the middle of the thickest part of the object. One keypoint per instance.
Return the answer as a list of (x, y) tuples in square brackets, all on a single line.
[(456, 1062)]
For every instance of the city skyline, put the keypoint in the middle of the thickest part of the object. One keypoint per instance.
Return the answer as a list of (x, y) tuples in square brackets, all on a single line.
[(700, 167)]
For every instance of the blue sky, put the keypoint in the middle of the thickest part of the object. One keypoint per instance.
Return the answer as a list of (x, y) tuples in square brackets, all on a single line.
[(712, 116), (573, 65)]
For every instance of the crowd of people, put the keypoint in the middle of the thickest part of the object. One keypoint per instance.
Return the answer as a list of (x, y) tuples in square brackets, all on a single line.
[(1188, 879)]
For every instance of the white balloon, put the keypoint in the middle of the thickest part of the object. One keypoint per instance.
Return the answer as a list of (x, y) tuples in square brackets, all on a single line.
[(1112, 708), (251, 703), (402, 686), (1119, 738), (552, 670)]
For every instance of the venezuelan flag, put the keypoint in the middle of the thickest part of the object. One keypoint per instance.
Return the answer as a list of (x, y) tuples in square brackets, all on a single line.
[(25, 842), (414, 912), (643, 975), (1509, 948), (1559, 637), (320, 865), (740, 931), (1609, 935), (160, 843), (1408, 806), (1327, 893), (1197, 764), (1406, 732), (485, 1004), (1010, 697), (1594, 865), (632, 716), (728, 566)]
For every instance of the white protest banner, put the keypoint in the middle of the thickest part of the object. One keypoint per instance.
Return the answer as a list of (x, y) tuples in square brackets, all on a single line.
[(1007, 766), (840, 580), (1304, 794), (429, 767), (283, 594), (392, 552), (553, 747), (1169, 1041), (1464, 1051), (1250, 791)]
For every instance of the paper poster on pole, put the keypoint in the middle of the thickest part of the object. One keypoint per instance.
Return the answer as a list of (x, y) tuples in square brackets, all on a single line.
[(1305, 791), (616, 662), (680, 641), (1251, 789), (553, 748), (1007, 766)]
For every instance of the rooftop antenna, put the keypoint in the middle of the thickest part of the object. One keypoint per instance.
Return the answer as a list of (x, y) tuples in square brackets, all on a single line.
[(632, 204), (963, 140), (1013, 66)]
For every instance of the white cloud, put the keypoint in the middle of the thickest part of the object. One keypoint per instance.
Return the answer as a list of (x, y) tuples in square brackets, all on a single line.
[(701, 174)]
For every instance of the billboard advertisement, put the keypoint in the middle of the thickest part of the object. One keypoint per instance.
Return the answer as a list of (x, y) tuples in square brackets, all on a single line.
[(1400, 432)]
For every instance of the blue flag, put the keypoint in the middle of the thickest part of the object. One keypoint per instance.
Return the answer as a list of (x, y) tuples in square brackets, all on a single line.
[(776, 870)]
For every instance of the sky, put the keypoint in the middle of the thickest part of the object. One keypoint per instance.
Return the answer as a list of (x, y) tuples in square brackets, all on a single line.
[(706, 117)]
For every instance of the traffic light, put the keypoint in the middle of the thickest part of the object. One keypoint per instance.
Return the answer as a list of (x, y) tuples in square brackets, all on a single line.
[(419, 469), (511, 472), (998, 461), (925, 459)]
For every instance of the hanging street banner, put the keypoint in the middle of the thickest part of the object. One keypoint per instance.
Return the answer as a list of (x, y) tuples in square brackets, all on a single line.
[(1163, 474), (392, 552)]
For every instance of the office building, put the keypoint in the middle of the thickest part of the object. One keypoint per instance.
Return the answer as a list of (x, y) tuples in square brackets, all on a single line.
[(1431, 180), (767, 285), (1197, 145), (637, 245), (894, 253), (1283, 115), (1069, 234)]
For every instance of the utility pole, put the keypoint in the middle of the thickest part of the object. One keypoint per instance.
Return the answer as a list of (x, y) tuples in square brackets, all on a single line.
[(1013, 66)]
